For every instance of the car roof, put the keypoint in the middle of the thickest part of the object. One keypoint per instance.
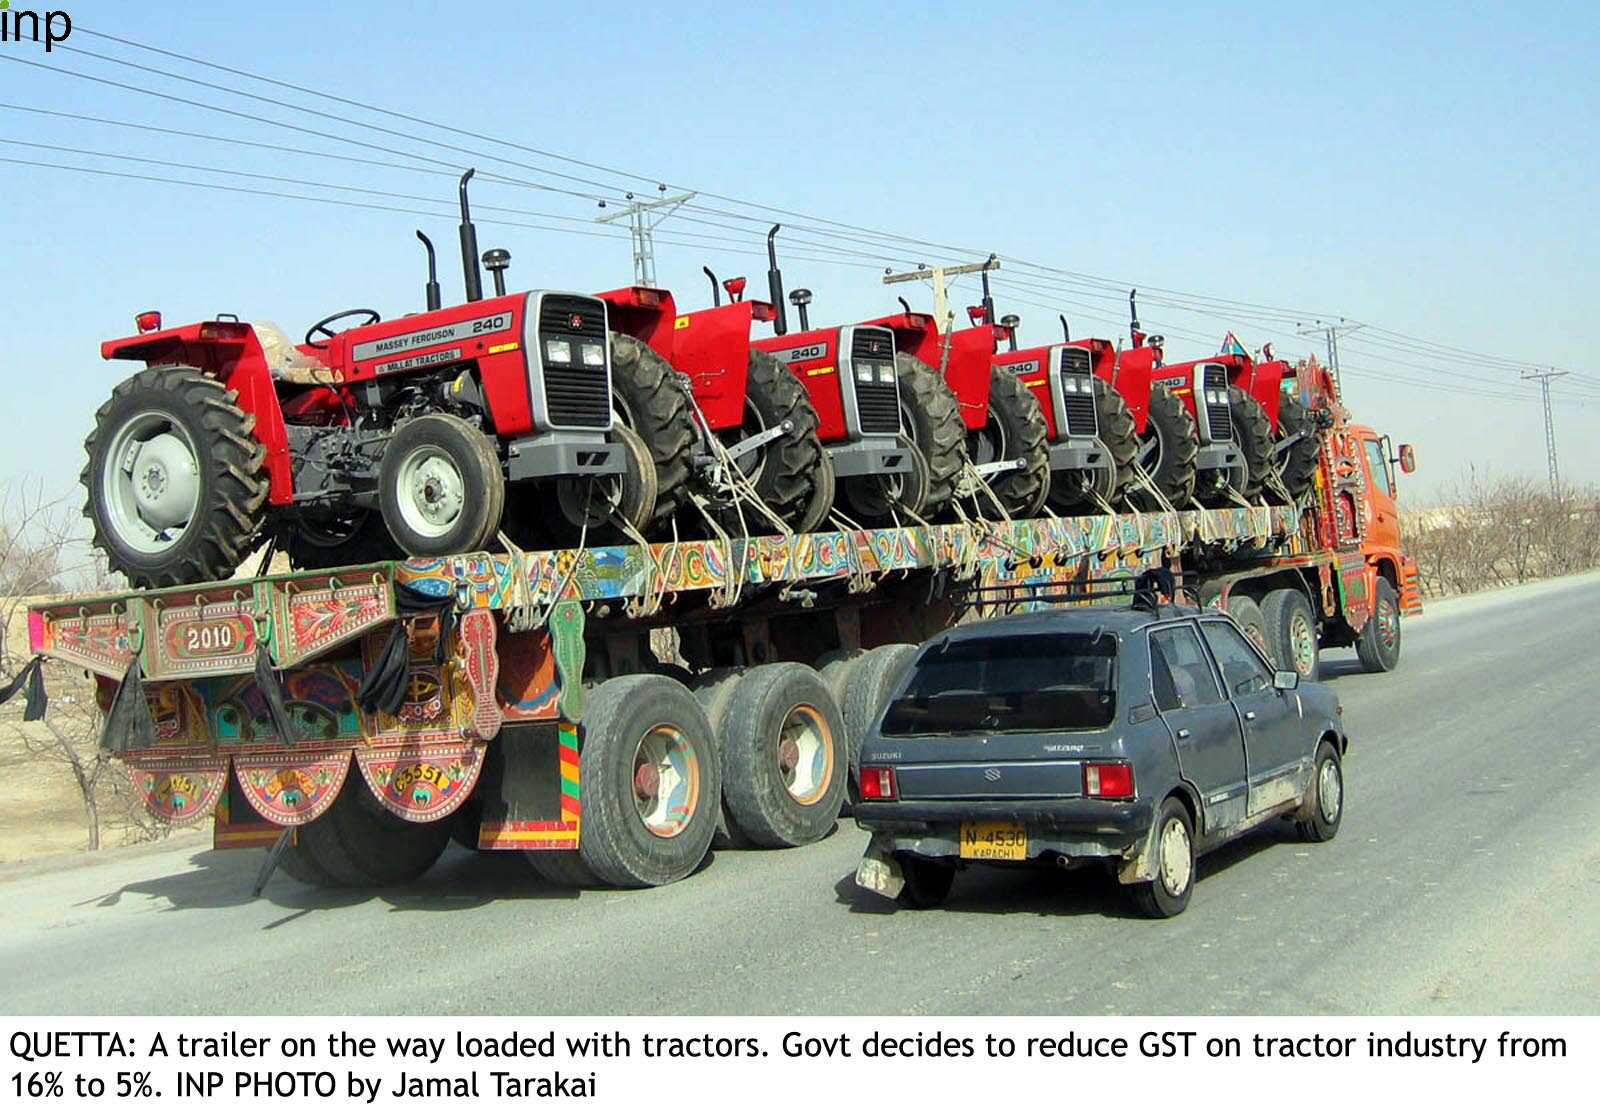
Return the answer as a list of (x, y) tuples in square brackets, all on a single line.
[(1119, 620)]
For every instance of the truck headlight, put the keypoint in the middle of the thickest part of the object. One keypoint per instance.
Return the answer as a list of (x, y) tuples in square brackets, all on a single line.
[(558, 352), (594, 356)]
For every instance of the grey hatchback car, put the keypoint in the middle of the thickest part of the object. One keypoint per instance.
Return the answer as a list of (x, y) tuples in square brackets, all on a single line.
[(1139, 737)]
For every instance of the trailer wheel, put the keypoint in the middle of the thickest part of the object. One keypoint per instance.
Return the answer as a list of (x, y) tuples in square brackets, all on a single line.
[(931, 420), (1015, 429), (784, 758), (1167, 451), (650, 400), (176, 479), (651, 782), (360, 844), (1297, 464), (441, 487), (1291, 632), (1249, 616), (563, 868), (868, 693), (354, 540), (1378, 645), (1252, 433), (786, 472), (298, 864)]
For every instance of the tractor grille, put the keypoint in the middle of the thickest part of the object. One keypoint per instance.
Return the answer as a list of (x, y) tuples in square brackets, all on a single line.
[(1219, 418), (1076, 364), (576, 395), (877, 403)]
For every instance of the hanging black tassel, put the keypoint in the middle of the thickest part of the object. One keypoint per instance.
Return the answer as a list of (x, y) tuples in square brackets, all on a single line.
[(31, 679), (272, 695), (383, 690), (129, 724)]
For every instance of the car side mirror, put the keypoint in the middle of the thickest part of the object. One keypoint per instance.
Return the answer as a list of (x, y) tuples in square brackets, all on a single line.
[(1286, 680)]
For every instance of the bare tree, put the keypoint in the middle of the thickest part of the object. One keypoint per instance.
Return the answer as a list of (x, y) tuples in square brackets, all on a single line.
[(42, 554)]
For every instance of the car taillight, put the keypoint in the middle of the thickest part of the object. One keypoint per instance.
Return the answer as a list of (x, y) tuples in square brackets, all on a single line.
[(1107, 780), (877, 783)]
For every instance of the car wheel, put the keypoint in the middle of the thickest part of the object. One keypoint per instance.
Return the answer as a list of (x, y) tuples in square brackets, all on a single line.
[(1324, 807), (1168, 894), (927, 881)]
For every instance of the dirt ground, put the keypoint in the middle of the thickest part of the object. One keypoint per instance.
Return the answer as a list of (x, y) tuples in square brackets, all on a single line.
[(43, 812)]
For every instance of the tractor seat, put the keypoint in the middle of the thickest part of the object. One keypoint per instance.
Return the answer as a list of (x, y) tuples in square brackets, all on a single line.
[(286, 362)]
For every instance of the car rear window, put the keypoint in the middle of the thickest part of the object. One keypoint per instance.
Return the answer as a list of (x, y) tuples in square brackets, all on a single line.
[(1034, 683)]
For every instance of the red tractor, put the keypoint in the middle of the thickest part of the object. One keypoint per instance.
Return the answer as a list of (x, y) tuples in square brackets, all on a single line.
[(1005, 433), (1273, 429), (387, 434)]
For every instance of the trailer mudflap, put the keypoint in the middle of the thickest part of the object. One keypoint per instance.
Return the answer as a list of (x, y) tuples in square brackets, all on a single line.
[(422, 782), (291, 788), (530, 789)]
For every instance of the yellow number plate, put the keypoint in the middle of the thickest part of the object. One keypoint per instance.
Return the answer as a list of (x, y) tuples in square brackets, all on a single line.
[(994, 841)]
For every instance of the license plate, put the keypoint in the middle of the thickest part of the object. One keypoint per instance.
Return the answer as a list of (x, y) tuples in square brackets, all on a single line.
[(994, 841)]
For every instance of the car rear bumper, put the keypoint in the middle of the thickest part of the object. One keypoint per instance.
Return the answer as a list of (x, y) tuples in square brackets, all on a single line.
[(1073, 828)]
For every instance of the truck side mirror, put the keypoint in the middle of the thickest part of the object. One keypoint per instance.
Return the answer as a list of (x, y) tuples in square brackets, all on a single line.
[(1408, 458)]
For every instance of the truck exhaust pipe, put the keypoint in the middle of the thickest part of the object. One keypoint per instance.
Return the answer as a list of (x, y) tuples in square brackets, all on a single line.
[(780, 323), (471, 276), (716, 291), (431, 291)]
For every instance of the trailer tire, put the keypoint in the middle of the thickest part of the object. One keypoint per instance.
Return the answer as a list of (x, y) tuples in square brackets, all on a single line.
[(1297, 466), (651, 781), (298, 864), (867, 694), (360, 844), (563, 868), (1167, 451), (1014, 429), (201, 460), (931, 415), (1291, 628), (927, 881), (441, 487), (650, 400), (713, 689), (785, 472), (784, 758), (354, 540), (1250, 616), (1252, 433), (1378, 644)]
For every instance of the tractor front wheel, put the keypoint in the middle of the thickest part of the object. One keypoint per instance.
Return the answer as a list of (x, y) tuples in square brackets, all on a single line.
[(1015, 430), (787, 470), (648, 399), (176, 479), (930, 419), (1252, 433), (440, 487)]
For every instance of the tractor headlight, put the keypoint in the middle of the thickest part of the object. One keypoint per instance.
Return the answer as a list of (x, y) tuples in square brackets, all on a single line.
[(886, 373), (594, 356), (1216, 397), (1076, 385), (558, 352), (864, 374)]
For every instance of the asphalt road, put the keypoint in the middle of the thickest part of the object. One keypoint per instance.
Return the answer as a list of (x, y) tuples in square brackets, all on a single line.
[(1466, 880)]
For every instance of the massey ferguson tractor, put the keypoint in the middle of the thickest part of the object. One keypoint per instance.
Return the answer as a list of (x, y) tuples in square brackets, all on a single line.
[(1272, 427), (400, 435)]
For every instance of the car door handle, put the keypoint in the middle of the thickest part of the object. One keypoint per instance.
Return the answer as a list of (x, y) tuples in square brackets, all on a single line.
[(1250, 715), (1183, 734)]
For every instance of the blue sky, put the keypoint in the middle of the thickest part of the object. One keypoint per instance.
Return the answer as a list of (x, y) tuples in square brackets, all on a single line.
[(1429, 172)]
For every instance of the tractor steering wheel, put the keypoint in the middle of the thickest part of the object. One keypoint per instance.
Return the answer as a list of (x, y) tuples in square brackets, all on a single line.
[(370, 317)]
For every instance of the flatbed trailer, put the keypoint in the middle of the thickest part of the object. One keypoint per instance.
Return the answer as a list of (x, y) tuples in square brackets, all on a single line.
[(613, 710)]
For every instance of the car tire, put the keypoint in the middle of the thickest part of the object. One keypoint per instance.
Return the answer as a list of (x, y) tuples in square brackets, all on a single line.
[(1324, 805), (927, 882), (1167, 895), (1378, 645), (1291, 630)]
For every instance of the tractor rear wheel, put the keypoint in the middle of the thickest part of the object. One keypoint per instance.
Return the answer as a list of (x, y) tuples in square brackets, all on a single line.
[(441, 487), (1297, 463), (1167, 451), (820, 502), (930, 418), (1015, 430), (1252, 433), (176, 479), (787, 470), (647, 396), (588, 506)]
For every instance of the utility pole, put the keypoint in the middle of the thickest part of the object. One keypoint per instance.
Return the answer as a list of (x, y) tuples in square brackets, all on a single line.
[(1544, 379), (1330, 331), (643, 217), (941, 296)]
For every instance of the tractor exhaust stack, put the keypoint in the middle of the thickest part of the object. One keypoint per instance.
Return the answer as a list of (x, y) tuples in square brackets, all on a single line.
[(780, 324), (1066, 330), (1135, 334), (471, 276), (431, 291), (716, 292)]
